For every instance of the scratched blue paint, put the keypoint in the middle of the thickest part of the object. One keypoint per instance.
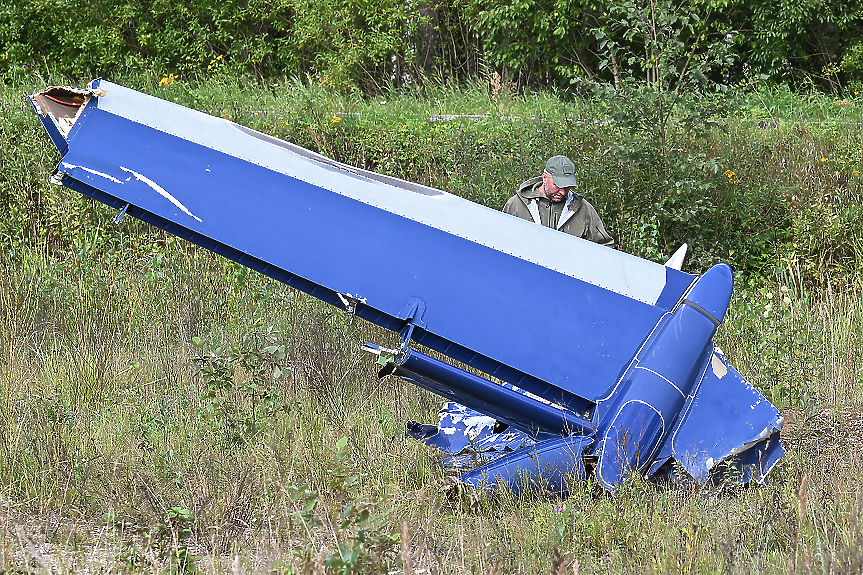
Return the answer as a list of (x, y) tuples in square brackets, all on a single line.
[(639, 383)]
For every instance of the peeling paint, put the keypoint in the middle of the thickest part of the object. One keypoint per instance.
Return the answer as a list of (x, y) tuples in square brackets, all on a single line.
[(161, 191), (91, 171), (719, 369), (767, 432)]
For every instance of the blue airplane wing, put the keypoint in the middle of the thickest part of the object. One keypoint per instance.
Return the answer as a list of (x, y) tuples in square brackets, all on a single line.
[(605, 357), (479, 274)]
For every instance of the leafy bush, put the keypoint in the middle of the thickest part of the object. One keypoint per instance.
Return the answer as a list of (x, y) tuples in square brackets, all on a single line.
[(240, 405), (352, 44), (804, 45), (344, 43)]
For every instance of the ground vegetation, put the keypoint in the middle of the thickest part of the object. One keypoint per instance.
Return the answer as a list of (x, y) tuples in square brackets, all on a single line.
[(370, 46), (165, 410)]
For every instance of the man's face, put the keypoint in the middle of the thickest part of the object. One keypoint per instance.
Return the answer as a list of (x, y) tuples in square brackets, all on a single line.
[(551, 191)]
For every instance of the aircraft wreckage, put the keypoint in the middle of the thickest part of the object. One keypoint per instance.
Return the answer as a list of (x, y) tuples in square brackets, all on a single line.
[(620, 377)]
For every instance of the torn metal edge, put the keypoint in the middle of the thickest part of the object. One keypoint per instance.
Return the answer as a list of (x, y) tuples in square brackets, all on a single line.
[(46, 103)]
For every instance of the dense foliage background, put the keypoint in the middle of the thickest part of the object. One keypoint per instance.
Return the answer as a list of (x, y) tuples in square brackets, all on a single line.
[(357, 43)]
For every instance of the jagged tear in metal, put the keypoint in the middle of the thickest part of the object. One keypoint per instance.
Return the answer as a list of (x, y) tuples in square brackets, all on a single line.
[(615, 374)]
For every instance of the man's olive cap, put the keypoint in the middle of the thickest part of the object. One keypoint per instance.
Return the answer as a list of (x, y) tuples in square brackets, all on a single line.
[(562, 171)]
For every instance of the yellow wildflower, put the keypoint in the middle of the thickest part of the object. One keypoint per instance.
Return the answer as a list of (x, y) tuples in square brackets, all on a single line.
[(823, 159), (855, 173), (336, 119)]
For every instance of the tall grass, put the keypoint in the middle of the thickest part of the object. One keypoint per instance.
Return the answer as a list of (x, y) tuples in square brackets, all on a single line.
[(118, 452), (129, 440), (801, 348)]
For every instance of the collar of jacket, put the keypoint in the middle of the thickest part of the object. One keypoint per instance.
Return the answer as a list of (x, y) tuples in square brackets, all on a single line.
[(530, 193), (532, 190)]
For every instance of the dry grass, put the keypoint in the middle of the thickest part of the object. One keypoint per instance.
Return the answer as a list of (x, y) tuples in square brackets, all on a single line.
[(105, 437), (127, 439)]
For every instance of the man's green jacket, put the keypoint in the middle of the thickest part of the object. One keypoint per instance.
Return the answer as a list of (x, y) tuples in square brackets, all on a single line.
[(574, 215)]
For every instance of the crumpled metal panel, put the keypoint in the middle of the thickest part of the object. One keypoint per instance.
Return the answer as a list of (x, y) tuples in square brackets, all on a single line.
[(468, 437), (725, 420), (549, 466)]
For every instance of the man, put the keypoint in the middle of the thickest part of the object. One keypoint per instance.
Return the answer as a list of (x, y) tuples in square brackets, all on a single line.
[(468, 435), (549, 200)]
